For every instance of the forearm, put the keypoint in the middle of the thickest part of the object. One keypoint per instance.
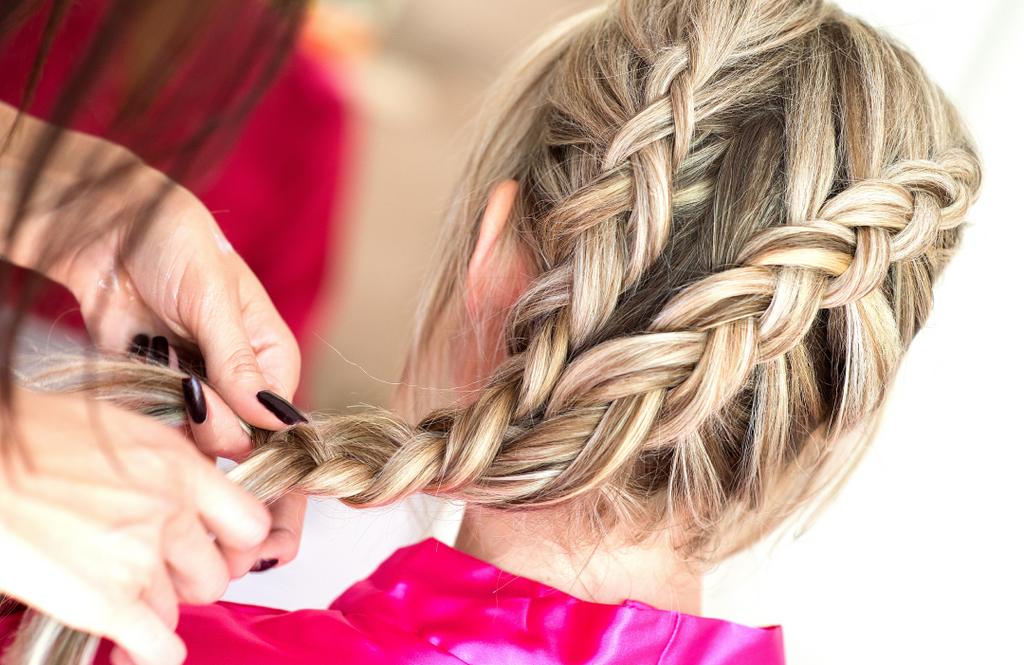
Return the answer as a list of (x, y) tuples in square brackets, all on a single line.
[(75, 163)]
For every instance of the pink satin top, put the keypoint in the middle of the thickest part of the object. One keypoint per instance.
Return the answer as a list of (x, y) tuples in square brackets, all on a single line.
[(431, 604)]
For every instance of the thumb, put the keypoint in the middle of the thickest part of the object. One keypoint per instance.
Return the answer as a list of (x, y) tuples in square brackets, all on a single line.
[(233, 368)]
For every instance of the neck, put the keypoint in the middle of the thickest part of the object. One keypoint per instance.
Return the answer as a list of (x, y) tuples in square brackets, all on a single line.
[(605, 572)]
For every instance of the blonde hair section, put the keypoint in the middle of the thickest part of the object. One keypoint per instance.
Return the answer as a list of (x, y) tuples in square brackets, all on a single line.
[(730, 217), (735, 212)]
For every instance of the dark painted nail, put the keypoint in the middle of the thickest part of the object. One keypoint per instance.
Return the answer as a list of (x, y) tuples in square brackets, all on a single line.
[(195, 400), (160, 351), (281, 408), (263, 564), (139, 346)]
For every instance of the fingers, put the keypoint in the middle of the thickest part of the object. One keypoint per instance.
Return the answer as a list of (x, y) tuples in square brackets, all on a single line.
[(215, 428), (238, 521), (144, 629), (232, 366), (121, 541), (148, 640), (180, 280), (275, 346), (139, 347), (288, 514), (156, 350), (197, 568), (162, 598)]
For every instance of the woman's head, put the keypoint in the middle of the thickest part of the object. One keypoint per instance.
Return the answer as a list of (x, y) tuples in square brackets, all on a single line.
[(728, 223)]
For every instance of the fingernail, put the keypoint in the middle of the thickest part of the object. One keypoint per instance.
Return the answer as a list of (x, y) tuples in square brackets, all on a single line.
[(263, 564), (140, 346), (281, 408), (195, 399), (159, 351)]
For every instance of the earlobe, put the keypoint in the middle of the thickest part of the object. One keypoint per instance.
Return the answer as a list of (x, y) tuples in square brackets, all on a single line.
[(496, 215)]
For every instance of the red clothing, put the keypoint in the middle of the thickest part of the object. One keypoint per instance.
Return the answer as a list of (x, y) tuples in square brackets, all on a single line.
[(276, 194), (430, 604)]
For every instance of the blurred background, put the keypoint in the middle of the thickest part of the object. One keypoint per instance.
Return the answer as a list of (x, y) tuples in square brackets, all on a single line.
[(919, 559)]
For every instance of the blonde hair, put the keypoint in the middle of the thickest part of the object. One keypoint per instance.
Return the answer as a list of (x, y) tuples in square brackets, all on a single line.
[(735, 212), (732, 214)]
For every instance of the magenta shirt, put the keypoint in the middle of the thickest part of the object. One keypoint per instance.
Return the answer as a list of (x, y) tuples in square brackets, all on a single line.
[(432, 604)]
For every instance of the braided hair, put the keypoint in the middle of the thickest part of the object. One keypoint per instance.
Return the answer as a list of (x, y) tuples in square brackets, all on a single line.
[(732, 213)]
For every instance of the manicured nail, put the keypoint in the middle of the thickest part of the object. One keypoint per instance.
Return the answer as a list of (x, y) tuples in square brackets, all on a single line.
[(159, 351), (195, 400), (139, 347), (263, 564), (191, 363), (281, 408)]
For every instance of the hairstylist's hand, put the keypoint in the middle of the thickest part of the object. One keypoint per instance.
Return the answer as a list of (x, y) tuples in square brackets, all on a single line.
[(107, 526), (183, 281), (209, 419), (179, 279)]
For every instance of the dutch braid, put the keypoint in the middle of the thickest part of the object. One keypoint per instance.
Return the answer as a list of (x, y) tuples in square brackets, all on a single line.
[(733, 251)]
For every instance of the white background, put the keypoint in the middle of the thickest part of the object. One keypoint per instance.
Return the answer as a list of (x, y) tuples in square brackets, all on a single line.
[(919, 561)]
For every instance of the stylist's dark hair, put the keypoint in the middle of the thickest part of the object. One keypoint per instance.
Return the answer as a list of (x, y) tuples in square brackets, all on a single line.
[(186, 72)]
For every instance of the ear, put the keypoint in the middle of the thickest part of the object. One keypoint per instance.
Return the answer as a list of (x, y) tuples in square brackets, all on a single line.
[(491, 287), (499, 208)]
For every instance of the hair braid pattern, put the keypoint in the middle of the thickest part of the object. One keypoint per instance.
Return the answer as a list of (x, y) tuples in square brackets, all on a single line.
[(735, 211)]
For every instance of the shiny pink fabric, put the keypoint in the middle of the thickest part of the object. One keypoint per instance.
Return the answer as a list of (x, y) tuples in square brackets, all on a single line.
[(432, 604)]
